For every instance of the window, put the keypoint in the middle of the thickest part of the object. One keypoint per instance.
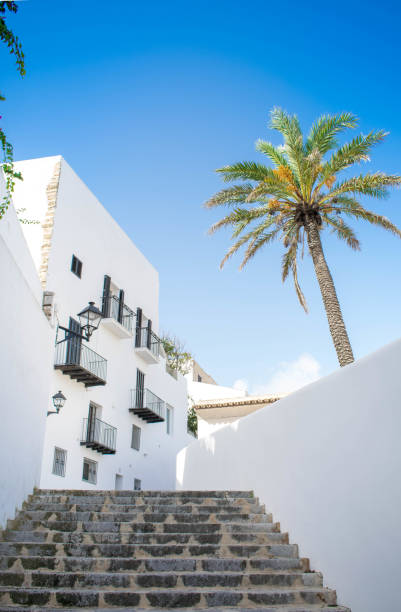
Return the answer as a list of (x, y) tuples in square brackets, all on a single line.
[(136, 438), (89, 473), (169, 419), (199, 378), (137, 484), (59, 461), (76, 266)]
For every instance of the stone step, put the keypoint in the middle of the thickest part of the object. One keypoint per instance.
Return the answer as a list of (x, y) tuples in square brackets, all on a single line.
[(146, 550), (129, 493), (279, 608), (177, 598), (118, 564), (153, 550), (114, 497), (154, 508), (134, 527), (143, 538), (169, 580), (147, 517)]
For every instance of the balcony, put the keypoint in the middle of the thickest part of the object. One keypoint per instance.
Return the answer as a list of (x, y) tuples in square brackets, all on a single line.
[(79, 362), (119, 319), (147, 406), (147, 345), (99, 436)]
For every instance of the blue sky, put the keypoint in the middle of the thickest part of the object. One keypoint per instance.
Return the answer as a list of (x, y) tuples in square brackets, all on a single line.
[(145, 101)]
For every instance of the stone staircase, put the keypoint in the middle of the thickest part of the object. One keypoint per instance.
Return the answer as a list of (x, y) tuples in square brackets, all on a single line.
[(125, 550)]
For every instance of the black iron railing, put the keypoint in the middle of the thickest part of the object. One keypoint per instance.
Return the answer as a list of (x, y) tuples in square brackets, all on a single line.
[(119, 311), (72, 352), (145, 400), (98, 435), (145, 338)]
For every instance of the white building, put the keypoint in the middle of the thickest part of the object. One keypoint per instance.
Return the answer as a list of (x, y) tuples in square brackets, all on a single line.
[(25, 334), (217, 406), (125, 416)]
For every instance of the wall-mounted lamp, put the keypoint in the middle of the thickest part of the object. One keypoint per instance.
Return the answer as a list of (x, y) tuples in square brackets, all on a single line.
[(89, 319), (58, 402)]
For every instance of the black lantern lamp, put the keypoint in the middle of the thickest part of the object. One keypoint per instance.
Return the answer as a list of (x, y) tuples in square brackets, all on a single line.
[(89, 319), (58, 402)]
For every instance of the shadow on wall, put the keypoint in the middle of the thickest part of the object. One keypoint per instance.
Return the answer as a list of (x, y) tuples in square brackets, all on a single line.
[(25, 368), (326, 461)]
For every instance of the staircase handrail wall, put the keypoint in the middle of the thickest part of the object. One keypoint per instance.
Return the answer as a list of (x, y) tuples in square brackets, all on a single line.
[(326, 461)]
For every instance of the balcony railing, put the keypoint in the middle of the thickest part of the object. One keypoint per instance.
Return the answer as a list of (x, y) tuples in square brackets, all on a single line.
[(147, 339), (99, 436), (119, 312), (80, 362), (147, 405)]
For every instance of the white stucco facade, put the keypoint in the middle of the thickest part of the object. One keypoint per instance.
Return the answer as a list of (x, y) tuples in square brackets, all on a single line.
[(73, 222), (25, 368), (326, 461)]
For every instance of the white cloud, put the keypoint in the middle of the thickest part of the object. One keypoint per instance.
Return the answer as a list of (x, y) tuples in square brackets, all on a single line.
[(286, 377), (241, 385), (291, 375)]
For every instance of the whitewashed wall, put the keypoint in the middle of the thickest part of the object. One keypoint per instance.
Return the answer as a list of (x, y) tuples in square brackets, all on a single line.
[(326, 461), (84, 228), (203, 391), (26, 351)]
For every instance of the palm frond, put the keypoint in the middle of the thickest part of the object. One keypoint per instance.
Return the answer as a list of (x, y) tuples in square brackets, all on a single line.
[(288, 125), (342, 231), (239, 216), (298, 289), (247, 171), (257, 243), (374, 185), (322, 135), (351, 153), (289, 262), (373, 218), (272, 152), (233, 195), (275, 187)]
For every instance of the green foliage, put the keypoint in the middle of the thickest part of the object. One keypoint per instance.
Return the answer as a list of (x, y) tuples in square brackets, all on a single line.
[(24, 220), (301, 185), (177, 358), (7, 36), (192, 422), (14, 47)]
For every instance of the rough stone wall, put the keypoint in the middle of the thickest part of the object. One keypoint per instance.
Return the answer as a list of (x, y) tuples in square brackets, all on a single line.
[(48, 223)]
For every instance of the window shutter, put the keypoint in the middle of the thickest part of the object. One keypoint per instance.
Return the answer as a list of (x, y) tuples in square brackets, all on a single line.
[(106, 296), (136, 438), (85, 472), (59, 462), (138, 327), (121, 306), (149, 335), (140, 388), (73, 355)]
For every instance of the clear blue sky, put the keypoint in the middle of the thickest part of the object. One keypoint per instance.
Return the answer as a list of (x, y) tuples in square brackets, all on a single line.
[(145, 100)]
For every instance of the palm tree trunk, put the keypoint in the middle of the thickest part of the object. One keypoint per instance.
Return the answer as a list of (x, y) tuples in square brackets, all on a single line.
[(329, 295)]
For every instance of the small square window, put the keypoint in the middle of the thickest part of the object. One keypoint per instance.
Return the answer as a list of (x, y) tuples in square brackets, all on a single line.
[(76, 266), (136, 438), (59, 461), (137, 484), (89, 472), (169, 419)]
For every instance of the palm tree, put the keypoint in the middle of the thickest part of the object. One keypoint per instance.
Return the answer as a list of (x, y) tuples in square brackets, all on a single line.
[(299, 196)]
